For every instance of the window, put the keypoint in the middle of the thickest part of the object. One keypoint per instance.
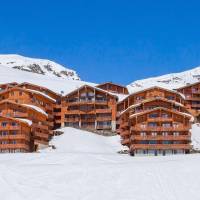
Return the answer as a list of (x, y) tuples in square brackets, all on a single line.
[(4, 124), (167, 125), (176, 133), (154, 134), (152, 124), (142, 134), (165, 133), (13, 124), (20, 93), (167, 142), (153, 115), (4, 133), (152, 142)]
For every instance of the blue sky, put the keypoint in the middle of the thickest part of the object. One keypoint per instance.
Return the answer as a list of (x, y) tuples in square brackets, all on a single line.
[(105, 40)]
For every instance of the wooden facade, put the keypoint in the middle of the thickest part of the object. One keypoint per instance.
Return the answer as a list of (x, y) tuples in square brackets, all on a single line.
[(89, 108), (15, 135), (35, 106), (155, 122), (192, 98), (113, 88)]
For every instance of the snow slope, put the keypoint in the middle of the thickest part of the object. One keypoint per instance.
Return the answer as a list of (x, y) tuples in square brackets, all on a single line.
[(91, 169), (54, 83), (87, 142), (38, 66), (196, 136), (169, 81)]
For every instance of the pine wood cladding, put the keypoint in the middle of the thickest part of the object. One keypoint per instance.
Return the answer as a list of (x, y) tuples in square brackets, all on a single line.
[(155, 121)]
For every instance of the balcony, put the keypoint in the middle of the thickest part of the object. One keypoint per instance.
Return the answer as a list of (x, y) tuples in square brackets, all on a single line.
[(9, 127), (195, 105), (161, 146), (160, 137), (42, 135), (57, 114), (124, 133), (124, 124), (40, 126), (103, 127), (125, 141), (14, 146), (20, 115), (72, 119), (104, 110), (15, 137), (104, 118), (160, 128), (87, 120), (160, 119)]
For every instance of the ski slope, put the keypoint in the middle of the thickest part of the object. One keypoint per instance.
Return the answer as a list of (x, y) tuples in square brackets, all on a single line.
[(85, 166)]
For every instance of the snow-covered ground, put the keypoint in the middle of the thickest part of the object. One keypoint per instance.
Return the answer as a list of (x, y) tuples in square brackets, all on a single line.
[(85, 166), (196, 136)]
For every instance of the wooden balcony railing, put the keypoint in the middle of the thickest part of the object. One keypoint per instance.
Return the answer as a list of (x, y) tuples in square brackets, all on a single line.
[(15, 137), (160, 119), (163, 129), (124, 133), (160, 137), (104, 118), (73, 119), (161, 146), (125, 141), (42, 135), (14, 146), (103, 127), (9, 127)]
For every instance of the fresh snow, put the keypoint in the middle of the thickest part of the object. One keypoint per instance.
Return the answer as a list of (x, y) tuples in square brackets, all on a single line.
[(56, 84), (87, 166), (196, 136), (169, 81), (36, 108), (42, 93), (29, 122), (42, 66)]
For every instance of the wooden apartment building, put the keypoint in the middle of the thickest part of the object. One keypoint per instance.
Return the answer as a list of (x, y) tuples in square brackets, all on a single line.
[(89, 108), (28, 102), (192, 98), (155, 121)]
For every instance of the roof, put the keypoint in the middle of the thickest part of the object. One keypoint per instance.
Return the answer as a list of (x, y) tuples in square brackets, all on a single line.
[(153, 87), (161, 108), (98, 89), (23, 121), (29, 91), (112, 84), (27, 83), (151, 100), (27, 106), (188, 85)]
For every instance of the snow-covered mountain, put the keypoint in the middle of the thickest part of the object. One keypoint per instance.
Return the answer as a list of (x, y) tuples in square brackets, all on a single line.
[(169, 81), (54, 83), (38, 66)]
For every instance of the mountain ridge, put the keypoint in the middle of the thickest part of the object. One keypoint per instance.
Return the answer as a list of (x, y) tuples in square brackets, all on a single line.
[(38, 66)]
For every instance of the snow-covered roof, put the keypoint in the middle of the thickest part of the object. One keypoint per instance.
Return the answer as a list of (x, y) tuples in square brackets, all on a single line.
[(162, 108), (36, 108), (29, 122)]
